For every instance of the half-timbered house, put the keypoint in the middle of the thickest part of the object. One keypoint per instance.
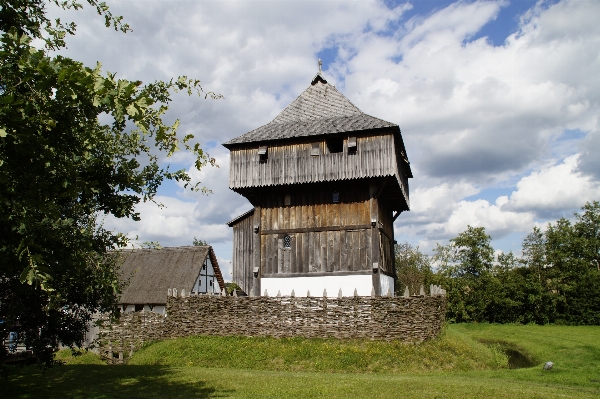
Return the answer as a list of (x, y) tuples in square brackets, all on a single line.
[(327, 181), (149, 273)]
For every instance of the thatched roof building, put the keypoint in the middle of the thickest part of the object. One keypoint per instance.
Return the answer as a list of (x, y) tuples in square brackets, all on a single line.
[(149, 273)]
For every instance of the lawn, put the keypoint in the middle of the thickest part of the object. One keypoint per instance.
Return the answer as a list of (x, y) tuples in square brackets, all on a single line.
[(466, 362)]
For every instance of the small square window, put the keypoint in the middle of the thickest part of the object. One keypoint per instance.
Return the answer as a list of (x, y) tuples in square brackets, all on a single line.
[(352, 145), (315, 151), (263, 153), (336, 196), (335, 145)]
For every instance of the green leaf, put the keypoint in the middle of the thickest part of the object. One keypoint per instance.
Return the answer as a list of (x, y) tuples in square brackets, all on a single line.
[(2, 132)]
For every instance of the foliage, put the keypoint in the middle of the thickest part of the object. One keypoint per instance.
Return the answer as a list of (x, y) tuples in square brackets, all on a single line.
[(412, 268), (557, 279), (230, 287), (571, 272), (465, 267), (151, 245), (61, 167), (199, 243)]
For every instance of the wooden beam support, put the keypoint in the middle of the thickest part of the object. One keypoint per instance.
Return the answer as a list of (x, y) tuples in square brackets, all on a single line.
[(375, 265), (382, 231), (396, 216), (256, 272), (381, 187), (316, 229)]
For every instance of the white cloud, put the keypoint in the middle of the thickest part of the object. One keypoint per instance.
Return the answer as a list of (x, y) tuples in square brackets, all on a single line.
[(472, 109), (555, 188), (473, 115)]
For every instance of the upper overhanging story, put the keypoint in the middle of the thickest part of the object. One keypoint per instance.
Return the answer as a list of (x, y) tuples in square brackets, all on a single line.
[(321, 137)]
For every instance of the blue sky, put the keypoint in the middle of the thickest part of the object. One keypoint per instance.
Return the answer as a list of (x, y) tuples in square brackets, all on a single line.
[(498, 101)]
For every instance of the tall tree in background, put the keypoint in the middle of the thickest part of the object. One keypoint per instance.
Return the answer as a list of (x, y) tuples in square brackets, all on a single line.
[(557, 279), (572, 256), (60, 168), (465, 267), (412, 268)]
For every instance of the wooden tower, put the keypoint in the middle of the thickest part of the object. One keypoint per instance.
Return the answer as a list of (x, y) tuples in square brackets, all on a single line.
[(327, 182)]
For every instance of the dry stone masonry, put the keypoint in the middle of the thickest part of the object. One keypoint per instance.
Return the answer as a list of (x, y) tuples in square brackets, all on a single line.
[(410, 319)]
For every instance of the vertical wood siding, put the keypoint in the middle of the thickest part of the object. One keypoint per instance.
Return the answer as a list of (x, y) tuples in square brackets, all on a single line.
[(341, 242), (242, 253), (291, 162)]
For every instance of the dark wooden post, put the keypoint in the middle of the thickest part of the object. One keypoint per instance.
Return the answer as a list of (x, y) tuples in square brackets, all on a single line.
[(393, 260), (375, 250), (256, 272)]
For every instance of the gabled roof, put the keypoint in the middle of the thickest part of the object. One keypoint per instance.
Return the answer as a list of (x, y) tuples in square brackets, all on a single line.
[(320, 109), (151, 272), (241, 217)]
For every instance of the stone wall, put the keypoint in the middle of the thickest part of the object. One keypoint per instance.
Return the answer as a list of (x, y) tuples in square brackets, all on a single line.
[(412, 319)]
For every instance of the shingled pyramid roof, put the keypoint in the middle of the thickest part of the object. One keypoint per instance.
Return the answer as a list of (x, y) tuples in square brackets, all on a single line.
[(320, 109)]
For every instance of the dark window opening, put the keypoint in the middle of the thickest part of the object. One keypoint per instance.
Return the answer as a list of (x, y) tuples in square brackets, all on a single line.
[(335, 145), (315, 150), (139, 308), (287, 200), (263, 154), (352, 145), (336, 196), (287, 242)]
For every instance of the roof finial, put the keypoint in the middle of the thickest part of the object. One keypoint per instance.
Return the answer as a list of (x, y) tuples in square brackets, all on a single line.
[(320, 66)]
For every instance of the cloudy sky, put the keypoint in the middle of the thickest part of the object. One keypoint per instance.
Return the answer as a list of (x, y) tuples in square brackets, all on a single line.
[(498, 101)]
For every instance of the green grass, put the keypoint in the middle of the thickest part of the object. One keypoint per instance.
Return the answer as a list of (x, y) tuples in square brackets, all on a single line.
[(451, 352), (65, 356), (457, 365)]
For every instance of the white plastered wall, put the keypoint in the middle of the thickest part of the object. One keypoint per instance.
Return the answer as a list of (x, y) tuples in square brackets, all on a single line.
[(386, 283), (161, 309), (363, 284)]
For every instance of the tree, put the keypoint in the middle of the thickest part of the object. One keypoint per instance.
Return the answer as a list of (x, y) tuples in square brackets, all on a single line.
[(572, 254), (465, 271), (473, 251), (199, 243), (60, 168), (412, 268)]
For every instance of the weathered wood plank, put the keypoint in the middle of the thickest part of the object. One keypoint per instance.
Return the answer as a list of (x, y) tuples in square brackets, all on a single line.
[(287, 217), (344, 263), (336, 250), (306, 257), (330, 250), (297, 253), (316, 229), (322, 245)]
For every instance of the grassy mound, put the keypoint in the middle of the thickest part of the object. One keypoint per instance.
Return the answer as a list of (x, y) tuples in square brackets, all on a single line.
[(465, 362), (84, 357), (452, 351)]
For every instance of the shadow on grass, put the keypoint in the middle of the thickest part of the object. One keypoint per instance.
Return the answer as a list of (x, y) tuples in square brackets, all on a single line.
[(517, 357), (96, 381)]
